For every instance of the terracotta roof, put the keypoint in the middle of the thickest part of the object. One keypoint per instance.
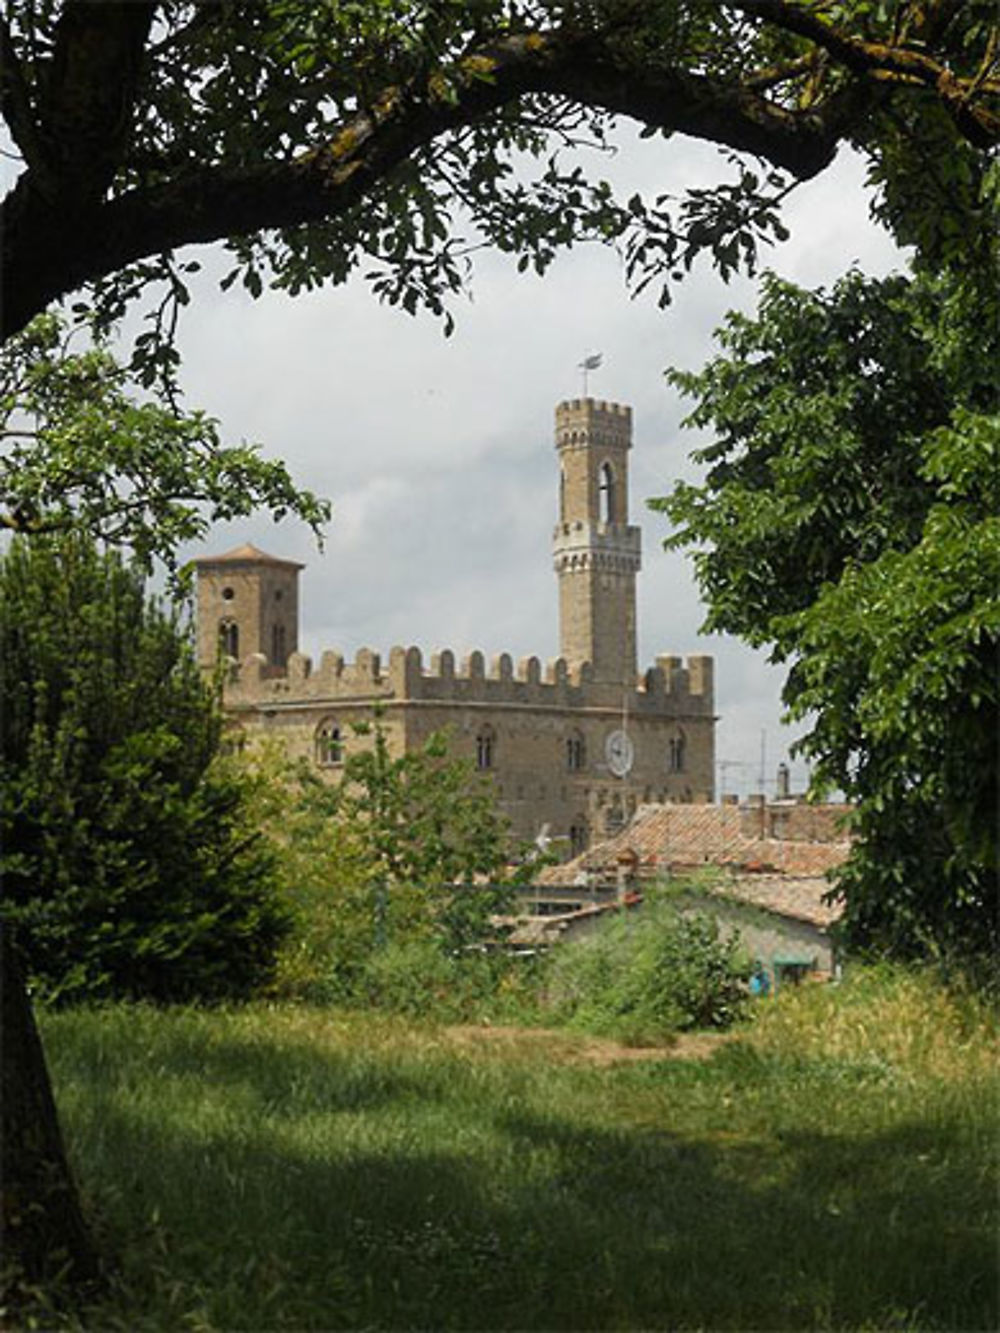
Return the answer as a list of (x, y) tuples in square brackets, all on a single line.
[(684, 836), (246, 554), (530, 930), (797, 896)]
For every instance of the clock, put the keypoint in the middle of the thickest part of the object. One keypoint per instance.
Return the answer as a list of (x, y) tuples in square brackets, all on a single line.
[(619, 752)]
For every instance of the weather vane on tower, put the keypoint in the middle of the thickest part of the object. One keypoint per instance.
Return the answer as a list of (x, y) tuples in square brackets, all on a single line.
[(588, 364)]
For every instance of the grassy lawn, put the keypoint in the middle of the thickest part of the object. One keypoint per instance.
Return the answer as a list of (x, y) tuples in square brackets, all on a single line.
[(833, 1166)]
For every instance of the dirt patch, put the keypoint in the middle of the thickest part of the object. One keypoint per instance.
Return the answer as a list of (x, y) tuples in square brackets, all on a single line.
[(574, 1048)]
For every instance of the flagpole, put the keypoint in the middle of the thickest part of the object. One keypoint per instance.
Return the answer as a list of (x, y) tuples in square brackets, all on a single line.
[(589, 363)]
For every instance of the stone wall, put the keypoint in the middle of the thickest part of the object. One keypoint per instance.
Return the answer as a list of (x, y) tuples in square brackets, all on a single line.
[(255, 593), (596, 553), (529, 714)]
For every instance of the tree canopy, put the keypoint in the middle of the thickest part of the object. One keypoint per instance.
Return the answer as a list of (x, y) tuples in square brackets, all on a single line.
[(127, 861), (79, 450), (848, 520), (317, 138), (129, 864), (398, 848)]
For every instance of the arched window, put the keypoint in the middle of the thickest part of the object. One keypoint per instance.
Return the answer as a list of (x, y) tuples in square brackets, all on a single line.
[(279, 647), (675, 755), (229, 638), (606, 490), (329, 744), (562, 495), (576, 752), (579, 836), (485, 748)]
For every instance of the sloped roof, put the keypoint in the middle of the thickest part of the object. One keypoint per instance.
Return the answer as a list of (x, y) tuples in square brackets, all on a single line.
[(798, 896), (247, 554), (665, 836)]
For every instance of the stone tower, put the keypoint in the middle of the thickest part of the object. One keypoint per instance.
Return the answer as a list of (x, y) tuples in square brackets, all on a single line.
[(595, 550), (248, 602)]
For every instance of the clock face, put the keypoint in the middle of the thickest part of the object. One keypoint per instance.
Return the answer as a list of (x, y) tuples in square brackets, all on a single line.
[(619, 752)]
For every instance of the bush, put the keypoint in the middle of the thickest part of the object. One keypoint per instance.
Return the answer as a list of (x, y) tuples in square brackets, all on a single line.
[(651, 973), (400, 856), (130, 866), (418, 978)]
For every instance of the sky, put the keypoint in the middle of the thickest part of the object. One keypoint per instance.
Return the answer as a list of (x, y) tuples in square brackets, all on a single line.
[(438, 453)]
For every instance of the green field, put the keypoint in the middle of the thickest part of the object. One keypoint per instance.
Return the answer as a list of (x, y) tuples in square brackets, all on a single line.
[(832, 1165)]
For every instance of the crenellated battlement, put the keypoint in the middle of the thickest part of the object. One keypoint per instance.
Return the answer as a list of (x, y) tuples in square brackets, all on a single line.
[(546, 736), (672, 684), (593, 405), (582, 423), (579, 547)]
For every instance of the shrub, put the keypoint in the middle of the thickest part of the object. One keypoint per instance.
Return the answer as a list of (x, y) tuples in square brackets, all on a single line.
[(647, 974), (418, 978), (129, 862), (401, 856)]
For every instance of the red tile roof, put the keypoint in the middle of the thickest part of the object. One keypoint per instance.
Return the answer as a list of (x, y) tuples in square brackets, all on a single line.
[(783, 874), (798, 896), (246, 554)]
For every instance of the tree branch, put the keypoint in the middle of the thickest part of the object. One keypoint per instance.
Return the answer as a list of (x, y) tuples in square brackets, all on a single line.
[(86, 116), (44, 258), (15, 101), (888, 62), (330, 179), (773, 75), (694, 104)]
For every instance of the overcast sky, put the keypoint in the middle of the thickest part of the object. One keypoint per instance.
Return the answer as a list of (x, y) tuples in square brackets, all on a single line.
[(438, 453)]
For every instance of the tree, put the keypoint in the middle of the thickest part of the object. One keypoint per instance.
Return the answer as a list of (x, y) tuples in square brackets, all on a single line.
[(314, 137), (427, 821), (317, 137), (80, 450), (130, 868), (848, 521), (81, 456), (128, 865), (398, 849)]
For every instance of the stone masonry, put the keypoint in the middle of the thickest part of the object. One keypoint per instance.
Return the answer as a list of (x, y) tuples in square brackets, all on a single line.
[(572, 748)]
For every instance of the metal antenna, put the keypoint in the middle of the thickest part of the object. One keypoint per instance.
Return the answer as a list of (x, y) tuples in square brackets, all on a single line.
[(588, 364)]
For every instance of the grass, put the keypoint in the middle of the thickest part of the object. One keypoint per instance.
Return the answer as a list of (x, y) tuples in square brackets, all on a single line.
[(833, 1167)]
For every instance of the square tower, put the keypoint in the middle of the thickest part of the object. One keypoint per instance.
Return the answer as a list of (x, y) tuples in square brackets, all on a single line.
[(596, 552), (248, 602)]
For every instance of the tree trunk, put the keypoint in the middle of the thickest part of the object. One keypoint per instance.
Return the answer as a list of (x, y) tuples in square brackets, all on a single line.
[(43, 1235)]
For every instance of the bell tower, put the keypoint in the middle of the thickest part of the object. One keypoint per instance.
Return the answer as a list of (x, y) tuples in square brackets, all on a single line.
[(595, 549), (248, 602)]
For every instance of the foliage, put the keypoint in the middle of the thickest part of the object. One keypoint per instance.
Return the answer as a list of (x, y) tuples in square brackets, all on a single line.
[(404, 853), (319, 139), (647, 975), (837, 1160), (395, 138), (129, 868), (79, 450), (416, 977), (848, 519), (425, 819), (907, 1019)]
